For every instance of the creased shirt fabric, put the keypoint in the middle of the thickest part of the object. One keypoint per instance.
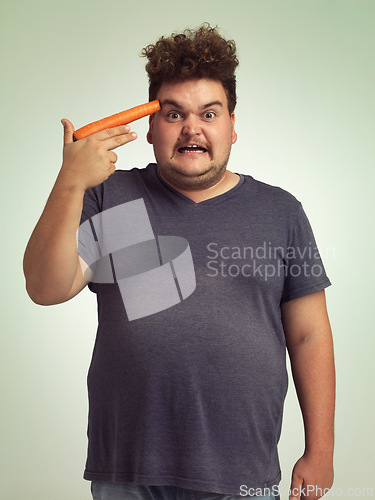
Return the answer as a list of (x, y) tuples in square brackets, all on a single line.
[(193, 394)]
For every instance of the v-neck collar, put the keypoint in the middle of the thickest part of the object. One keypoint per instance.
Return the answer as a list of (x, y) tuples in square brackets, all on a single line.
[(209, 201)]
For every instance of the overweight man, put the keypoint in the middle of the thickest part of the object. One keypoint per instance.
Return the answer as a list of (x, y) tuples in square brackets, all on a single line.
[(205, 279)]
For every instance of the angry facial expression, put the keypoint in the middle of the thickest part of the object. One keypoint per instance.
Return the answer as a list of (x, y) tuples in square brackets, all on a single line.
[(192, 134)]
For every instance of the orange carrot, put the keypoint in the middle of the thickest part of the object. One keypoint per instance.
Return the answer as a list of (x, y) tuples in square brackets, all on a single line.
[(128, 116)]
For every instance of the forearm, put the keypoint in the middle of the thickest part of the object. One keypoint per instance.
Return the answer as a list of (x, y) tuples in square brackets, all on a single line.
[(51, 256), (51, 261), (312, 362)]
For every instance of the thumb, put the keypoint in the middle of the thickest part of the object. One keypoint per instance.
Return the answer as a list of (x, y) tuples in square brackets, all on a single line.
[(296, 487), (68, 131)]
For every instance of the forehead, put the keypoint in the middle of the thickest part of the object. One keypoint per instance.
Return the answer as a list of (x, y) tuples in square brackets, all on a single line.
[(195, 93)]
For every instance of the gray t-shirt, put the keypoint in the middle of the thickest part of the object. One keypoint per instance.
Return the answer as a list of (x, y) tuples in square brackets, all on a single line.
[(188, 374)]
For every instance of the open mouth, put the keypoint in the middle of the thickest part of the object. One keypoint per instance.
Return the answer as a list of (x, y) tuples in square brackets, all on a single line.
[(192, 149)]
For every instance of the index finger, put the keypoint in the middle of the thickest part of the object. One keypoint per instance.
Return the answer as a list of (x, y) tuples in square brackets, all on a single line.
[(115, 137)]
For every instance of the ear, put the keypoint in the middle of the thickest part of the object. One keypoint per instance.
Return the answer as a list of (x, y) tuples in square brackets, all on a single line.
[(234, 134), (149, 133)]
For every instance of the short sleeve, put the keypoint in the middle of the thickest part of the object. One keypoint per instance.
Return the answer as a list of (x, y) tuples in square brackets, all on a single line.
[(87, 241), (304, 269), (92, 202)]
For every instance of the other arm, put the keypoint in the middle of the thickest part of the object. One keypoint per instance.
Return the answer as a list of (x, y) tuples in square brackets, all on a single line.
[(310, 347), (51, 262)]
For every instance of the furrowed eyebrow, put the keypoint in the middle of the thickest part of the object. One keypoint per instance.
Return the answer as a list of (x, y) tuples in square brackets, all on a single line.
[(171, 103), (180, 106), (213, 103)]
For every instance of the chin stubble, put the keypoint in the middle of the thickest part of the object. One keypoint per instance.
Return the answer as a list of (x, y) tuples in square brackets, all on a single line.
[(182, 180)]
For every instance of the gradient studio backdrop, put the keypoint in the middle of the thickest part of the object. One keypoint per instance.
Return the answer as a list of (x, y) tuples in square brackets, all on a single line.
[(305, 121)]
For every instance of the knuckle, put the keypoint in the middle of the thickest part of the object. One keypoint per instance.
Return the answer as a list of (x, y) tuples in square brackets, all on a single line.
[(91, 141)]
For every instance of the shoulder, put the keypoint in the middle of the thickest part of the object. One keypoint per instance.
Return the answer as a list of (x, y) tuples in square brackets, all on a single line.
[(269, 190), (134, 174), (274, 197), (120, 187), (125, 185)]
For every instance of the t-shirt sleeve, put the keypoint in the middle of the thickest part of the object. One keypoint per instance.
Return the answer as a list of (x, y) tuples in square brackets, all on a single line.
[(87, 242), (92, 202), (304, 269)]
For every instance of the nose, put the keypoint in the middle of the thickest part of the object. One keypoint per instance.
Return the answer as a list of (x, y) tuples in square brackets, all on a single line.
[(191, 126)]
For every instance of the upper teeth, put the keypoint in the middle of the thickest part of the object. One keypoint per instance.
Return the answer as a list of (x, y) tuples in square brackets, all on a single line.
[(186, 149)]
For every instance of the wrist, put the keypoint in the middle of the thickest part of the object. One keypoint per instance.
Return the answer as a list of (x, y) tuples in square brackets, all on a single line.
[(69, 184), (320, 452)]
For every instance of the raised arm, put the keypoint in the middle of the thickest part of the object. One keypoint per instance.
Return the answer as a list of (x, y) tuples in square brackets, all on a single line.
[(310, 347), (51, 262)]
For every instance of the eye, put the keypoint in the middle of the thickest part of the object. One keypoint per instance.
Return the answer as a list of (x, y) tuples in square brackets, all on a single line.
[(209, 115), (173, 115)]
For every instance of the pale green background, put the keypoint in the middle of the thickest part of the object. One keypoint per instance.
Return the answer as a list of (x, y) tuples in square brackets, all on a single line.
[(305, 121)]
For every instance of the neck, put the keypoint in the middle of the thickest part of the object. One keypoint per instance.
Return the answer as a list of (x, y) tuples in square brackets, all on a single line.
[(227, 182)]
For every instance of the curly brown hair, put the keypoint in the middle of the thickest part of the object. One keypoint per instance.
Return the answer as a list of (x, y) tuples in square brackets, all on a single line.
[(200, 53)]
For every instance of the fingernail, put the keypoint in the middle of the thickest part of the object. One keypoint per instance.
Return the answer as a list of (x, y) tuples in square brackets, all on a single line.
[(126, 128), (133, 134)]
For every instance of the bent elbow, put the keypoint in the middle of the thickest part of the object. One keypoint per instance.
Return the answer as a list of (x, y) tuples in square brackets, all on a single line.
[(36, 297), (40, 298)]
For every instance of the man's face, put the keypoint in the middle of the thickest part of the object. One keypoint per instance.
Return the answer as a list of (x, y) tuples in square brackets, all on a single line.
[(192, 134)]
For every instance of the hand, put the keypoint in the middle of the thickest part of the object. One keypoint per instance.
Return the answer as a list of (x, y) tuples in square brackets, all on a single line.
[(90, 161), (312, 477)]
